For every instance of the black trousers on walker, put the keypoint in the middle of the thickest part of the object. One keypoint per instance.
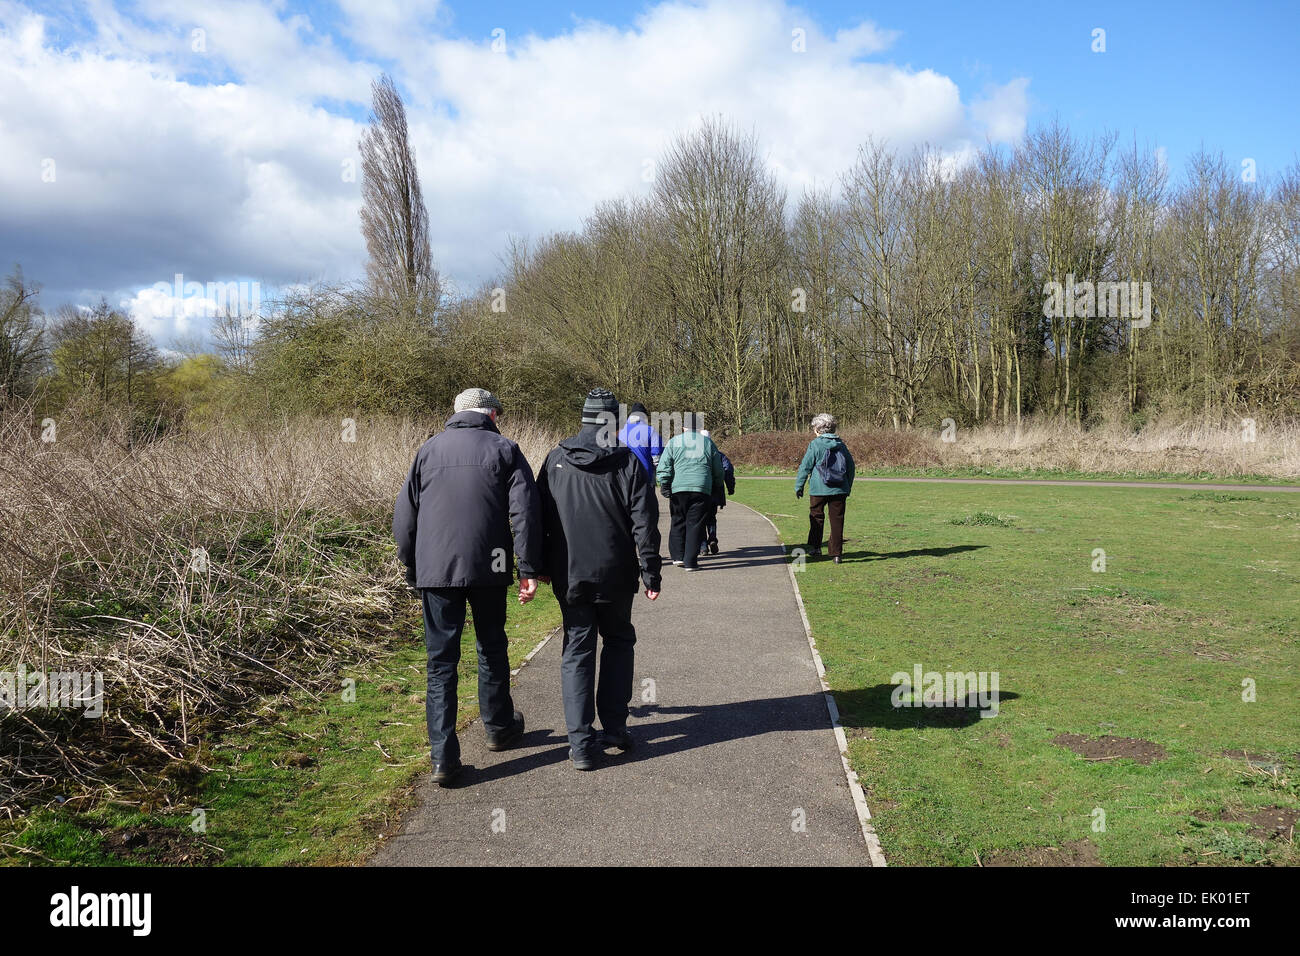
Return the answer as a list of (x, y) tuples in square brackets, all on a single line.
[(689, 510)]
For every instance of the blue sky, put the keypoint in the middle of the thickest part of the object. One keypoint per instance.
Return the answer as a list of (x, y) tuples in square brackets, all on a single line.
[(1181, 74), (226, 158)]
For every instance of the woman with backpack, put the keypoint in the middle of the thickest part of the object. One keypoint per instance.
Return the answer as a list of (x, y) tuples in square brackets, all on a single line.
[(827, 468)]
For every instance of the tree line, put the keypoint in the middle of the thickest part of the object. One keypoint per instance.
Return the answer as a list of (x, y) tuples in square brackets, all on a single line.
[(1066, 277), (919, 288)]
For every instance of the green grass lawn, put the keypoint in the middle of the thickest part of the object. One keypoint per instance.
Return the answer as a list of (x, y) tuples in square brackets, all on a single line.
[(1200, 593), (1042, 474), (308, 781)]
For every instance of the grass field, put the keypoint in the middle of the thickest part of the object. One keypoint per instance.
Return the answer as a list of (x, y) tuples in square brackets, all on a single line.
[(1146, 664)]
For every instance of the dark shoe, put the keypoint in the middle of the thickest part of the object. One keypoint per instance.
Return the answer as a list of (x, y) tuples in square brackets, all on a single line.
[(713, 547), (814, 553), (508, 737), (445, 773), (677, 564), (689, 567), (617, 738), (836, 559), (583, 761)]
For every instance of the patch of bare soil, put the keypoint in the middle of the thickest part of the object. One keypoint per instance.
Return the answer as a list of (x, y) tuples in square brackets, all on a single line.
[(1249, 757), (166, 846), (1111, 748), (1269, 823), (1081, 852)]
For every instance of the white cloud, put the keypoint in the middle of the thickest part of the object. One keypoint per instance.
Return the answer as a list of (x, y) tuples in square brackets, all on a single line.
[(228, 163), (1001, 112)]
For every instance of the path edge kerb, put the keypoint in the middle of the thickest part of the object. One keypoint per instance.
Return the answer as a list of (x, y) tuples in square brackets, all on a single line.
[(874, 851)]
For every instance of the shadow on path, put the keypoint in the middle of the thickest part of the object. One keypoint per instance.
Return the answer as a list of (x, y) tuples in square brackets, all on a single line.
[(709, 724)]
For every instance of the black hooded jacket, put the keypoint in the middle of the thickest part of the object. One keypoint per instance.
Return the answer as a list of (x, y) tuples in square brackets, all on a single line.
[(600, 520), (468, 489)]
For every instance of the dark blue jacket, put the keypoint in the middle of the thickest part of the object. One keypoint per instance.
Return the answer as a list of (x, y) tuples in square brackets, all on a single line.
[(645, 444), (728, 477), (468, 490)]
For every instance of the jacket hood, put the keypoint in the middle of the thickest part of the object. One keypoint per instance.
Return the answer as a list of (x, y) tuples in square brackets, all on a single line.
[(585, 448), (471, 420)]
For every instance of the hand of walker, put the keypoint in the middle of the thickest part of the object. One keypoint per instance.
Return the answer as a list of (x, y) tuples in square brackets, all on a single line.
[(527, 590)]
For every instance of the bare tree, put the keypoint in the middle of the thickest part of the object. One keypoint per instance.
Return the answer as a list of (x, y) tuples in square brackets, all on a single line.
[(22, 339), (723, 230), (394, 220)]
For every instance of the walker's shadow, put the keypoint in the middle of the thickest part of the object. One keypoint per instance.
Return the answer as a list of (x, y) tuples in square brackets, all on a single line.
[(914, 553), (874, 707), (753, 557), (708, 724)]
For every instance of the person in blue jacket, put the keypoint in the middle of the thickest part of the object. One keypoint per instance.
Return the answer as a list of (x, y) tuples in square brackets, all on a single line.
[(827, 468), (638, 435)]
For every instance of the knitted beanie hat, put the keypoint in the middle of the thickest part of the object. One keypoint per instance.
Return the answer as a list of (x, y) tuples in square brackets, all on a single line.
[(599, 406)]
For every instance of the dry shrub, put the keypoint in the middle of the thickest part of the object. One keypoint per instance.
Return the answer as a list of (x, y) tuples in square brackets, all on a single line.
[(870, 447), (201, 573), (1172, 447), (1162, 447)]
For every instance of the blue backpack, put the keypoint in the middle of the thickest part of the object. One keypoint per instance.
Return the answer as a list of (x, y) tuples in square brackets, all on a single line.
[(833, 469)]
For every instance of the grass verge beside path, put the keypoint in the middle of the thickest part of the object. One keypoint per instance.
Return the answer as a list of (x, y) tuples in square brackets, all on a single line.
[(306, 781), (1031, 474), (1122, 735)]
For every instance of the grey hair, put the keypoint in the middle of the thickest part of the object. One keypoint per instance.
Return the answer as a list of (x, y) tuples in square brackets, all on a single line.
[(825, 422)]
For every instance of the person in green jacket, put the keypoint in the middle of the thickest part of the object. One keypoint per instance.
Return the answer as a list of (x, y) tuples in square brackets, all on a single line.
[(689, 469), (827, 468)]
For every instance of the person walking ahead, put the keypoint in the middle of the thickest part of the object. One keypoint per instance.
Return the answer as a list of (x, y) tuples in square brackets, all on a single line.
[(601, 527), (827, 468), (709, 542), (468, 490), (689, 469), (638, 435)]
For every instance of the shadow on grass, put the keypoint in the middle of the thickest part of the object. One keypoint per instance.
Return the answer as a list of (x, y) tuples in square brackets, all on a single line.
[(914, 553), (873, 707), (752, 557)]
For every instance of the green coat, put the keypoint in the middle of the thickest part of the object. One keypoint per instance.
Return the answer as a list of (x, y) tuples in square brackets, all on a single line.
[(690, 462), (816, 453)]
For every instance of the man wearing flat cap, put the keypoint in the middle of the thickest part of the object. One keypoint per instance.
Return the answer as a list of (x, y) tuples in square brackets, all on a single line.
[(469, 502)]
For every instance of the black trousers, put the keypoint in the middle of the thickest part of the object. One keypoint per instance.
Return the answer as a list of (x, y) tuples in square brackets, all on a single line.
[(444, 620), (689, 510), (816, 522), (711, 525), (583, 699)]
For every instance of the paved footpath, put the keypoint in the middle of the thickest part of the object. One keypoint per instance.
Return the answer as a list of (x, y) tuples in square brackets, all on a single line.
[(736, 762)]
